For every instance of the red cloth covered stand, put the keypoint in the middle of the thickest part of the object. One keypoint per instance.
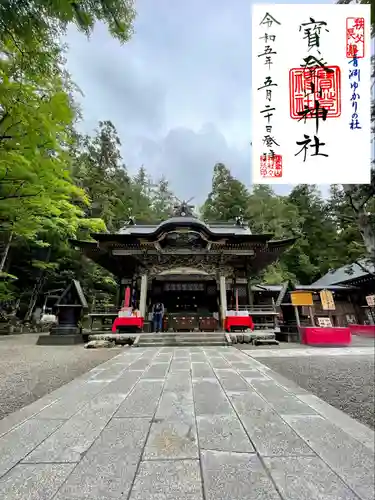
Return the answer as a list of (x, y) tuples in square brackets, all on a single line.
[(244, 322), (135, 322)]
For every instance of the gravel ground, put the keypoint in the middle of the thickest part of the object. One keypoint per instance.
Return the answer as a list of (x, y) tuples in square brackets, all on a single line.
[(345, 382), (28, 371)]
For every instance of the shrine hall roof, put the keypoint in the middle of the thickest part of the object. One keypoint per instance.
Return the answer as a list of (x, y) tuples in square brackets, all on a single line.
[(219, 228), (346, 274)]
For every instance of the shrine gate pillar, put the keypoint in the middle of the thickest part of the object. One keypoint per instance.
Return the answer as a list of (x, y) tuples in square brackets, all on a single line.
[(223, 299), (143, 296)]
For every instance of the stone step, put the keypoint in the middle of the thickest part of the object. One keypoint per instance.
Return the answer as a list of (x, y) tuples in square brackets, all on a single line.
[(179, 341), (166, 339), (181, 344), (182, 339), (181, 335)]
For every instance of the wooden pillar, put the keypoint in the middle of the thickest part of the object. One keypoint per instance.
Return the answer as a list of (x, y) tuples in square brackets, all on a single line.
[(311, 312), (250, 297), (143, 296), (119, 294), (297, 316), (223, 299), (233, 295)]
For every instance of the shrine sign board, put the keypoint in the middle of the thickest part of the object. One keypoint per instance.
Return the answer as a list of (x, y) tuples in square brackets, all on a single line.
[(326, 298), (301, 298), (324, 323), (370, 299)]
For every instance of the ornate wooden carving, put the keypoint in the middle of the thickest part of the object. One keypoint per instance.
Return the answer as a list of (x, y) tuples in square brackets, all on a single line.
[(154, 266)]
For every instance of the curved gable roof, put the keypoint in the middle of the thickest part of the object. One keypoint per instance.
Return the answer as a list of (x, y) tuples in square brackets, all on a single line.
[(193, 222), (345, 274)]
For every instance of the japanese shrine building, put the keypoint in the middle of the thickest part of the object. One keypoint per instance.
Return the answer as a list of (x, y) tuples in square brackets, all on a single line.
[(189, 265)]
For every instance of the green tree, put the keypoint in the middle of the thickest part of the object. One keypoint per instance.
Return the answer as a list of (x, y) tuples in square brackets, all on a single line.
[(29, 20), (350, 243), (228, 198), (314, 252), (163, 199), (361, 199), (99, 170), (36, 117), (270, 213), (276, 273), (142, 196), (39, 202)]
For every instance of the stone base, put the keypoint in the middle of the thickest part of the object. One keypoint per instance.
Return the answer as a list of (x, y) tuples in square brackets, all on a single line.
[(65, 330), (64, 339)]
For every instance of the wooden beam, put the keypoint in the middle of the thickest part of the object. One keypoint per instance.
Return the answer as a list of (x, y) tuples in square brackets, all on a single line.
[(181, 251)]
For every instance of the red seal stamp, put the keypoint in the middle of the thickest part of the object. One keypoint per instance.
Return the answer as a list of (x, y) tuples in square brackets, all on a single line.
[(309, 86), (355, 37), (271, 166)]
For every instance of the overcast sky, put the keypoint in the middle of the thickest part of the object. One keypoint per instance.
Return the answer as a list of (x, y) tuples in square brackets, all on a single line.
[(179, 92)]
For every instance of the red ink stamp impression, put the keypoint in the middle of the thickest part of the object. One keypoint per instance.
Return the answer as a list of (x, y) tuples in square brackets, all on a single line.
[(271, 166), (355, 37), (310, 85)]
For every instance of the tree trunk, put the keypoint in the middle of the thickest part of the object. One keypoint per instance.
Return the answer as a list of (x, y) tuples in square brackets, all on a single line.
[(363, 218), (368, 233), (37, 289), (5, 252)]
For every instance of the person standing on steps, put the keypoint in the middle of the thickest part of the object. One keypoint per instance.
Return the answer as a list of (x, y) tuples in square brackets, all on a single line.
[(158, 314)]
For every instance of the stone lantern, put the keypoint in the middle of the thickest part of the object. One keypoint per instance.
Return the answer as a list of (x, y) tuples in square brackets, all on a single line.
[(70, 309)]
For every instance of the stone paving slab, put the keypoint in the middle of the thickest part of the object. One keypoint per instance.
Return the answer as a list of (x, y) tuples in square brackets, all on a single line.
[(16, 445), (210, 398), (270, 434), (157, 370), (178, 382), (355, 429), (236, 476), (231, 380), (77, 398), (202, 370), (198, 357), (34, 482), (172, 439), (304, 478), (280, 399), (176, 405), (200, 423), (218, 362), (143, 400), (70, 442), (352, 461), (168, 480), (107, 470), (223, 433)]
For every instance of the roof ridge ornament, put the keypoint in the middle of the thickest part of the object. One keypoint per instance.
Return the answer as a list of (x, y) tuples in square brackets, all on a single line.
[(239, 219), (130, 221), (183, 208)]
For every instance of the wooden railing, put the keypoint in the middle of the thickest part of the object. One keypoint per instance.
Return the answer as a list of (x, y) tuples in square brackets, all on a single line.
[(104, 310), (257, 307)]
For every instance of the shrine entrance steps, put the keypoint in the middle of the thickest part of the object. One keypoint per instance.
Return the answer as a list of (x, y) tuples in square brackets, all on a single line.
[(180, 339)]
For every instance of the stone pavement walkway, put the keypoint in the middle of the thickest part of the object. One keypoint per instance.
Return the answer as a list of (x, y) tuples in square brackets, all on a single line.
[(187, 423)]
